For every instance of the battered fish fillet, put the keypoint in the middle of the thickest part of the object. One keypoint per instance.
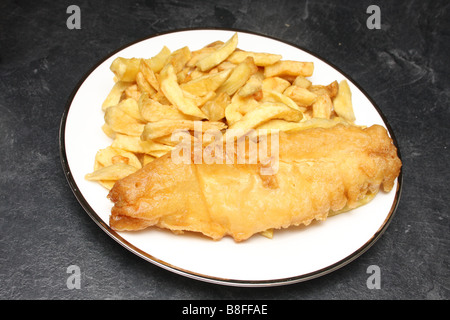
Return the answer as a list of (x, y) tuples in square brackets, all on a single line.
[(321, 171)]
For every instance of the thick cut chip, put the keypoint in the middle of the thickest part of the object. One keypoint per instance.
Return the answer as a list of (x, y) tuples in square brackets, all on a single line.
[(159, 61), (143, 84), (246, 104), (174, 140), (115, 94), (112, 172), (203, 85), (152, 110), (274, 96), (119, 121), (301, 82), (132, 92), (125, 69), (219, 55), (343, 102), (238, 107), (275, 84), (135, 144), (232, 110), (253, 85), (199, 101), (130, 106), (173, 92), (149, 74), (215, 108), (104, 157), (154, 130), (322, 107), (262, 59), (146, 158), (265, 112), (199, 54), (289, 68), (330, 89), (301, 96), (108, 131), (238, 77), (179, 58)]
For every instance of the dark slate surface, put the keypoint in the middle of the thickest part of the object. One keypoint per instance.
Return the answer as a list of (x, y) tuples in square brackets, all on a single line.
[(403, 66)]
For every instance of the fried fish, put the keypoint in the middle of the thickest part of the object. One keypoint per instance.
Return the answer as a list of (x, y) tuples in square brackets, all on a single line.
[(320, 172)]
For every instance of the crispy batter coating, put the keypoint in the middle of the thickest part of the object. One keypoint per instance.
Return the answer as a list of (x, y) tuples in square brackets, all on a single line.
[(321, 171)]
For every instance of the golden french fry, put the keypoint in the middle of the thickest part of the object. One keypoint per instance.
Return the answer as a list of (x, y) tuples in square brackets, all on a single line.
[(104, 157), (267, 233), (262, 59), (238, 77), (149, 74), (157, 153), (132, 92), (301, 96), (146, 158), (112, 172), (136, 145), (119, 121), (215, 44), (158, 61), (108, 131), (108, 156), (245, 104), (219, 55), (289, 68), (232, 113), (199, 54), (125, 69), (161, 98), (179, 58), (196, 74), (120, 159), (215, 108), (225, 66), (199, 101), (342, 103), (115, 94), (184, 75), (205, 84), (154, 130), (301, 82), (130, 107), (152, 110), (274, 96), (181, 136), (173, 92), (322, 107), (108, 184), (266, 112), (275, 84), (238, 107), (143, 84), (330, 89), (253, 85)]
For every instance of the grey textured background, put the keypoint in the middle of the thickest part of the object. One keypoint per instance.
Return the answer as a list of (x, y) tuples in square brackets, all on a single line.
[(403, 67)]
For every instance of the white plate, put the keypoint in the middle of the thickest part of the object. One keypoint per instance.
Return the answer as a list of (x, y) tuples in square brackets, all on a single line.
[(293, 255)]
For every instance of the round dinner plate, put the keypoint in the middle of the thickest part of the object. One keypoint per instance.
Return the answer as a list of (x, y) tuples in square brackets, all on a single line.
[(293, 255)]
